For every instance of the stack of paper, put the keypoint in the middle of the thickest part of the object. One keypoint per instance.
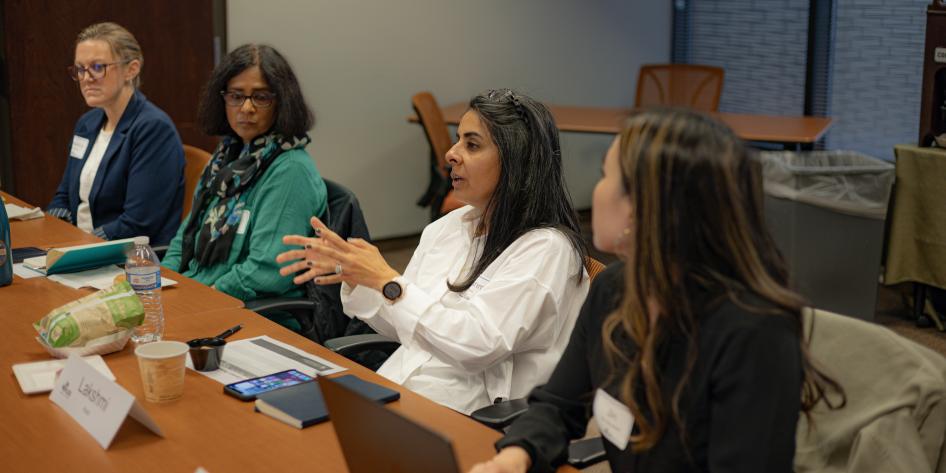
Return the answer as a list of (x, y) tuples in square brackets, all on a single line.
[(39, 376), (15, 212), (98, 278), (260, 356)]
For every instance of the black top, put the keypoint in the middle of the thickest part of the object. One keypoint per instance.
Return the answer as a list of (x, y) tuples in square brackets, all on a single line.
[(740, 409)]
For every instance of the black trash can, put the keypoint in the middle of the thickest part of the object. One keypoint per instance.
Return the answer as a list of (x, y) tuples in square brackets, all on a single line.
[(826, 211)]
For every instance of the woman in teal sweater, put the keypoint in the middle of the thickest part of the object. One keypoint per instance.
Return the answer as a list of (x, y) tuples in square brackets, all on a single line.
[(260, 183)]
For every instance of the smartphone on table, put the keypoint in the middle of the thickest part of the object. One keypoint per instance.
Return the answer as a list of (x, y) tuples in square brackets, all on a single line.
[(248, 389)]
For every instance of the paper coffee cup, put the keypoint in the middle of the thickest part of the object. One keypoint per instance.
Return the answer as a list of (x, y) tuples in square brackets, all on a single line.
[(162, 369)]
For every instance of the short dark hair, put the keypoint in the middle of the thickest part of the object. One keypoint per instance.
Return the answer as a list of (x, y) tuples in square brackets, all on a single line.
[(292, 116), (531, 192)]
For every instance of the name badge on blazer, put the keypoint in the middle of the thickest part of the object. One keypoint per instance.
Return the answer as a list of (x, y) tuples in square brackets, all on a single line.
[(244, 221), (79, 145), (614, 419)]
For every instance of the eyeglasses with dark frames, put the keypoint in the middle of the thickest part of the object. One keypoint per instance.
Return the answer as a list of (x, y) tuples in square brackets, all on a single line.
[(259, 99), (95, 70)]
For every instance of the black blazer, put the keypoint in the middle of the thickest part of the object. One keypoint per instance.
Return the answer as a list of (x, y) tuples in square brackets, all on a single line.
[(740, 408), (139, 186)]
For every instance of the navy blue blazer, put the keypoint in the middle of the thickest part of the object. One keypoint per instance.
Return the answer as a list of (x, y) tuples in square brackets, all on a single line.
[(139, 186)]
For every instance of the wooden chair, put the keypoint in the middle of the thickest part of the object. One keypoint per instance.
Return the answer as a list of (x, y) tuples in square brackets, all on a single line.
[(439, 195), (594, 267), (196, 160), (685, 85)]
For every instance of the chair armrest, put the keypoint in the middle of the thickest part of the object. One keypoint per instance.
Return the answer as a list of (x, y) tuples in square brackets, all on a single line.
[(353, 344), (581, 453), (280, 303), (160, 251), (586, 452), (498, 416)]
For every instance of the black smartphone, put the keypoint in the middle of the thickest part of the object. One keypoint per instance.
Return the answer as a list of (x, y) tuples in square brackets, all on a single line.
[(248, 389), (20, 254)]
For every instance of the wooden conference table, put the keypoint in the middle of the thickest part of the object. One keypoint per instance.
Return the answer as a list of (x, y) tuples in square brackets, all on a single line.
[(793, 132), (205, 428)]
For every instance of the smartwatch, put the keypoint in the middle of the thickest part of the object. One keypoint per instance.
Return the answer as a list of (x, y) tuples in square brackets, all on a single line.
[(392, 290)]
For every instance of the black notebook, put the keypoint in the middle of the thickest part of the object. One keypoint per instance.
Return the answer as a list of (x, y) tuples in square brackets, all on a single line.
[(302, 405)]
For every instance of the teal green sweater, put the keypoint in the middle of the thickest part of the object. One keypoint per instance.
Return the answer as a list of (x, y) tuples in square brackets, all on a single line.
[(279, 203)]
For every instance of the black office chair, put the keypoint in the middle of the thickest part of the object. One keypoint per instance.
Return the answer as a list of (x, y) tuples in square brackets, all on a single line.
[(319, 315)]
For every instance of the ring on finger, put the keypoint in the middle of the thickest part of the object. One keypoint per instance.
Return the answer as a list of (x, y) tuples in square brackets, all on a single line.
[(338, 269)]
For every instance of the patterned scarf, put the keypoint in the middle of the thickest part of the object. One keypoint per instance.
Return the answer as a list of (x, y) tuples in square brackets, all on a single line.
[(233, 169)]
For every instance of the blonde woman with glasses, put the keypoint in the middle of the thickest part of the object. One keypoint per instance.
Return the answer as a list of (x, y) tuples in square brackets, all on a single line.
[(125, 170)]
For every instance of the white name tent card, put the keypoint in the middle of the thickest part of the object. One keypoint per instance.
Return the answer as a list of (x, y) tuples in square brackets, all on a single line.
[(97, 403)]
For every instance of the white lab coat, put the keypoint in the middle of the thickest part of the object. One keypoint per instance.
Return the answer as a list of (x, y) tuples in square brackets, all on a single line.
[(500, 338)]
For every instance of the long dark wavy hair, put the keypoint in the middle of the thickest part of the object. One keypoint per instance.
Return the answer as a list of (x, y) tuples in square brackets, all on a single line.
[(531, 191), (699, 228)]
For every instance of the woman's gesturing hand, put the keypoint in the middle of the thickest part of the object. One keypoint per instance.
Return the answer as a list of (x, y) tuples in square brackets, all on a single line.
[(329, 259)]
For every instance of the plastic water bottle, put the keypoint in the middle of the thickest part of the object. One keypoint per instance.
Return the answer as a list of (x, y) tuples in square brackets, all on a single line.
[(143, 272), (6, 253)]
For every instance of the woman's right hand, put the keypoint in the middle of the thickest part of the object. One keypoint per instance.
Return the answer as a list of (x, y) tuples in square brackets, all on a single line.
[(508, 460)]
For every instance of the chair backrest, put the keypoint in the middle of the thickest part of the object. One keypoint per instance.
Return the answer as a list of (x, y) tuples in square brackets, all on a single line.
[(345, 218), (439, 193), (196, 160), (427, 109), (344, 215), (895, 389), (686, 85)]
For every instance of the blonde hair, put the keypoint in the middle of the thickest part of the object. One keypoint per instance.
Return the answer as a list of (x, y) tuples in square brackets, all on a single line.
[(124, 46)]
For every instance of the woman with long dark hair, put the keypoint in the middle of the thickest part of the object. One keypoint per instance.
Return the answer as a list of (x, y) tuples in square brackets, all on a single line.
[(260, 183), (484, 309), (689, 353)]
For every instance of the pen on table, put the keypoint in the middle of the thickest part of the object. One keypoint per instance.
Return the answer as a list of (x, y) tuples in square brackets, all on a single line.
[(230, 331)]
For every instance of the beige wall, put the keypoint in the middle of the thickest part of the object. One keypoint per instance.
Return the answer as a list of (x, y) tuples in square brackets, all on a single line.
[(360, 61)]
